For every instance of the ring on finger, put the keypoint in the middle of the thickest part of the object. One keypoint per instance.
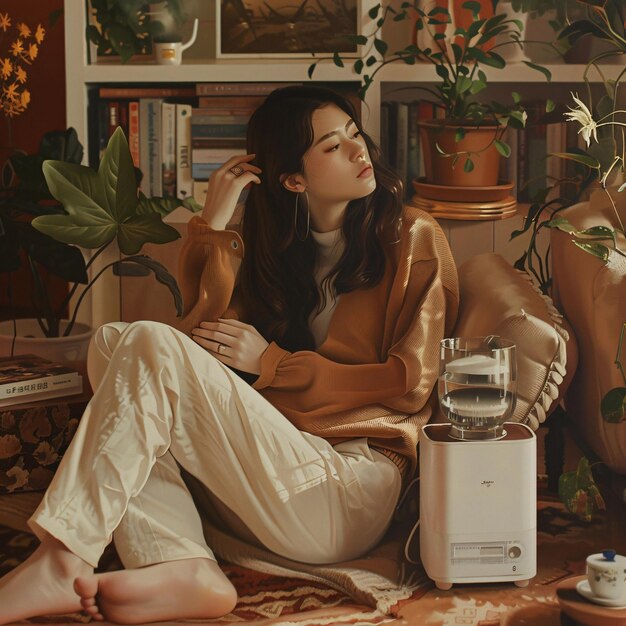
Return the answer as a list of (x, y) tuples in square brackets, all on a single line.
[(237, 170), (220, 348)]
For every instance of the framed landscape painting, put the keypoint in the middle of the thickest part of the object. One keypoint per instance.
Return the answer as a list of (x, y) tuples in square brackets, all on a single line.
[(285, 28)]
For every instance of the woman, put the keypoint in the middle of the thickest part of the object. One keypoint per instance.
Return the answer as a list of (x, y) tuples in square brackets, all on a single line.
[(334, 315)]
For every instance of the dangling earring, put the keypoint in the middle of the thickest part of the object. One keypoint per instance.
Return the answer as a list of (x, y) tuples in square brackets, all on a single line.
[(308, 217)]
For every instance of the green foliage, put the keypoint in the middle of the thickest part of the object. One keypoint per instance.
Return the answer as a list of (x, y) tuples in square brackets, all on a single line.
[(579, 492), (459, 64), (124, 28), (102, 206), (93, 210)]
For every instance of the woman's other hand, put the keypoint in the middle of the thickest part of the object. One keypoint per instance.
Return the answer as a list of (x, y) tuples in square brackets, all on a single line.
[(225, 187), (233, 343)]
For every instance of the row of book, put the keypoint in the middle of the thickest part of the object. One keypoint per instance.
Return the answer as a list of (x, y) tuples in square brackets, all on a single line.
[(30, 378), (529, 167), (177, 136)]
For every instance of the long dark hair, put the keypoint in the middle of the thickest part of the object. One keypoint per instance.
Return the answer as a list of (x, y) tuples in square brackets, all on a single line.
[(277, 287)]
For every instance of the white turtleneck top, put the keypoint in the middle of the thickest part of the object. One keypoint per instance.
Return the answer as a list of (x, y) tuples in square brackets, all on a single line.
[(330, 247)]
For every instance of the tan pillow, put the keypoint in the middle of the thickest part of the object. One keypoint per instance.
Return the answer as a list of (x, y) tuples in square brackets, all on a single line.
[(497, 299)]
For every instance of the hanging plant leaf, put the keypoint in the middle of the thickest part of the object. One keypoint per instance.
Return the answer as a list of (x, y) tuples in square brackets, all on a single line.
[(101, 205), (503, 148), (161, 274)]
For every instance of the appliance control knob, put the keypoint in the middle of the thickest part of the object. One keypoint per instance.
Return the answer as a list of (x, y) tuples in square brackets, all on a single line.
[(515, 552)]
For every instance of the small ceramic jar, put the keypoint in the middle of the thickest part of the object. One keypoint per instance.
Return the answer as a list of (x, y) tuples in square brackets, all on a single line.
[(606, 573)]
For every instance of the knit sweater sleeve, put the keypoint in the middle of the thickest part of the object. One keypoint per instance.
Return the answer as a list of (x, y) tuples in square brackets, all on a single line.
[(307, 386), (207, 269)]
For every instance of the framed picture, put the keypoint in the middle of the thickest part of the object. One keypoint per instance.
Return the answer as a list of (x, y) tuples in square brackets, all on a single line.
[(285, 28)]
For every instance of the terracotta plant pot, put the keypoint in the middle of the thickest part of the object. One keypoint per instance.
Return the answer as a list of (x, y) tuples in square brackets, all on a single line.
[(479, 141)]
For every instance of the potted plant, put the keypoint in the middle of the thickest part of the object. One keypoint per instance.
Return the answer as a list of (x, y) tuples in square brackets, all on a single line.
[(462, 146), (124, 27), (93, 209)]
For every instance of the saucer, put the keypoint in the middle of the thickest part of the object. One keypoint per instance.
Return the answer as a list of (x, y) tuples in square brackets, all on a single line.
[(449, 193), (584, 590)]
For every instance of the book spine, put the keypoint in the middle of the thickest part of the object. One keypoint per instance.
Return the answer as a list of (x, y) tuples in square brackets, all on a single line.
[(536, 158), (239, 89), (55, 392), (203, 171), (38, 385), (425, 111), (392, 134), (522, 160), (384, 135), (554, 138), (133, 131), (103, 128), (413, 152), (227, 111), (235, 102), (147, 92), (144, 150), (114, 117), (168, 148), (217, 130), (123, 117), (239, 120), (154, 147), (232, 143), (184, 181), (208, 155), (402, 142)]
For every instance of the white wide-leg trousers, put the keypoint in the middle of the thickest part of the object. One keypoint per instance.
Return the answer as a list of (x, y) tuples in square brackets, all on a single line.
[(163, 403)]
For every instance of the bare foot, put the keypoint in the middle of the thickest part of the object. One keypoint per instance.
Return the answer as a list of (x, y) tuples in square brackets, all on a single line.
[(42, 585), (185, 589)]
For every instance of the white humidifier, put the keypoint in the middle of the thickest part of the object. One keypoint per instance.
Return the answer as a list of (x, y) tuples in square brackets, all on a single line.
[(478, 506)]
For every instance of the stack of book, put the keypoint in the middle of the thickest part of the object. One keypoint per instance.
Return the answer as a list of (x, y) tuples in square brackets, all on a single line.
[(30, 378), (177, 135)]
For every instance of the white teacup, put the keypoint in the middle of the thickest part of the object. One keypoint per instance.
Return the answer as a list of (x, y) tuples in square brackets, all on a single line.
[(606, 577)]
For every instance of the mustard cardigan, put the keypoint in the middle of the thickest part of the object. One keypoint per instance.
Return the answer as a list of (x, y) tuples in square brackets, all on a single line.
[(373, 375)]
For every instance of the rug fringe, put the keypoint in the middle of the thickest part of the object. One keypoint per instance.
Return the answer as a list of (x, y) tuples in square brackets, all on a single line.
[(363, 586)]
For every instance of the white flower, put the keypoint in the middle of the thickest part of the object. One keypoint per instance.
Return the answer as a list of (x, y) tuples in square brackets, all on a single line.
[(583, 116)]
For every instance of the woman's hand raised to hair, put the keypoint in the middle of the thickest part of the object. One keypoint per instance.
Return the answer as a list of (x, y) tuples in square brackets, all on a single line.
[(233, 343), (225, 188)]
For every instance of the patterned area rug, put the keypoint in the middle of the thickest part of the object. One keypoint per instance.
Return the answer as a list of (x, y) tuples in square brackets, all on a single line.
[(262, 598), (563, 544)]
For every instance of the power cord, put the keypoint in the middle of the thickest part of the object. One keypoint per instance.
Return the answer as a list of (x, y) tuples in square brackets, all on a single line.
[(407, 545)]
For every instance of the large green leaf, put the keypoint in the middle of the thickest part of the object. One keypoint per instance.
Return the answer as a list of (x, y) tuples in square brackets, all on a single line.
[(86, 229), (103, 205), (143, 228), (117, 174)]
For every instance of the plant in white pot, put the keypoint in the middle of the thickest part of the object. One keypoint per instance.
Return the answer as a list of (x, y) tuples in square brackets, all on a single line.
[(99, 207), (463, 145)]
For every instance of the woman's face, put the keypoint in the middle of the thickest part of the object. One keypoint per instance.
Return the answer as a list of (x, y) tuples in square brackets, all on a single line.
[(337, 166)]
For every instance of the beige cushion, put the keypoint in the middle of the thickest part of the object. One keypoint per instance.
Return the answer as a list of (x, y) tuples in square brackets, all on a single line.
[(497, 299)]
